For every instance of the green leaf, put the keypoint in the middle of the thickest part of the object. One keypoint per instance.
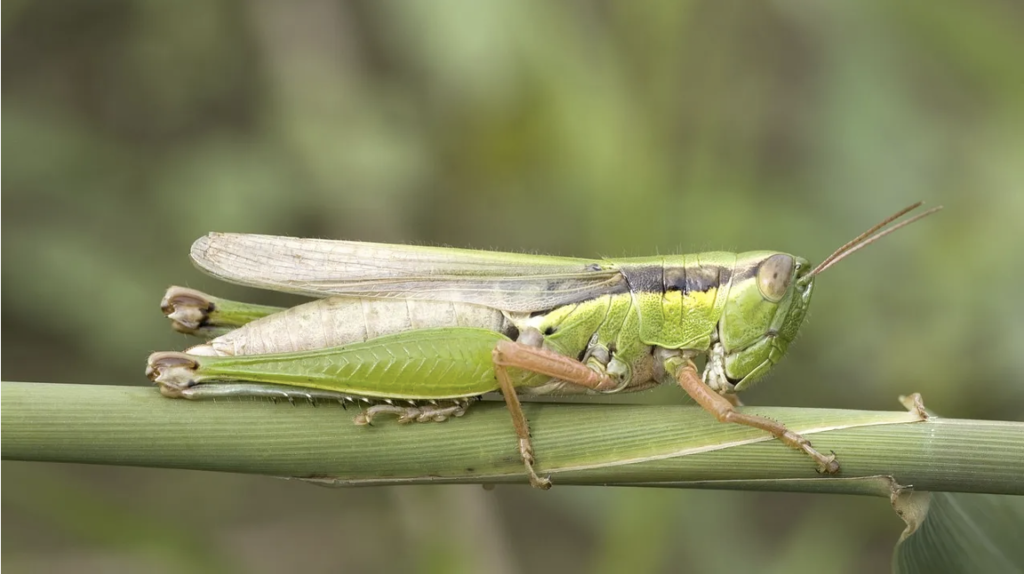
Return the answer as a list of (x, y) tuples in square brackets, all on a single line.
[(959, 532)]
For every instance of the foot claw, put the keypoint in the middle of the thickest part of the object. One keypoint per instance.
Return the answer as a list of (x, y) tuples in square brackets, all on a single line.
[(542, 483), (526, 453), (828, 465)]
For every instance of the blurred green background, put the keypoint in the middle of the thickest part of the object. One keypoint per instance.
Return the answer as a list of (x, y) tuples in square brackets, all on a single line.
[(574, 128)]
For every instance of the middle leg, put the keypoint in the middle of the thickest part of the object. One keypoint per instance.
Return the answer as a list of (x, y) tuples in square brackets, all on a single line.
[(514, 354)]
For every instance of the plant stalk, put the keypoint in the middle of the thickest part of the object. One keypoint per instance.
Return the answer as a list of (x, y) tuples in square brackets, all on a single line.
[(576, 444)]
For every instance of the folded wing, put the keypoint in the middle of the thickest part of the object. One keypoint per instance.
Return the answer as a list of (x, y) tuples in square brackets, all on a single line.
[(316, 267)]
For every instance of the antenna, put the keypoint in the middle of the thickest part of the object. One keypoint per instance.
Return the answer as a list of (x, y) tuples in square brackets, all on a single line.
[(866, 238)]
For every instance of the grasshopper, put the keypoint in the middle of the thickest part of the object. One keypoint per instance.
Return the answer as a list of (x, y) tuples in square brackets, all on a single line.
[(422, 332)]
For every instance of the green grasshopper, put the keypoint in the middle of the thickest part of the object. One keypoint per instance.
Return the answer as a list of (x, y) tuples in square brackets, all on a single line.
[(422, 332)]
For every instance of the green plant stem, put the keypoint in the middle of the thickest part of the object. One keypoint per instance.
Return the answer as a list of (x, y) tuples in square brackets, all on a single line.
[(676, 446)]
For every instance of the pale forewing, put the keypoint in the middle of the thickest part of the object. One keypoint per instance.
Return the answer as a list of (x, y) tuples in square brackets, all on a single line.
[(512, 282)]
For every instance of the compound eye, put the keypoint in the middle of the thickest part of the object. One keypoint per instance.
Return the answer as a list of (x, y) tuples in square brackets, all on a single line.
[(774, 275)]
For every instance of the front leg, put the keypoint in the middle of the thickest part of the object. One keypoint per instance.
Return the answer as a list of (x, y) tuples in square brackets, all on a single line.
[(686, 375)]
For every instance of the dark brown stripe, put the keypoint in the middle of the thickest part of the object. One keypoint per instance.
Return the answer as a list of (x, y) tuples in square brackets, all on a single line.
[(724, 275), (694, 279), (747, 272), (645, 278)]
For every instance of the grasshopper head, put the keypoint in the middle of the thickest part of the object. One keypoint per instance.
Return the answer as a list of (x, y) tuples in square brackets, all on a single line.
[(767, 303)]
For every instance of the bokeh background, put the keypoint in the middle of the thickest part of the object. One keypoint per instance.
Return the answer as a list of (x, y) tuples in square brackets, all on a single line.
[(574, 128)]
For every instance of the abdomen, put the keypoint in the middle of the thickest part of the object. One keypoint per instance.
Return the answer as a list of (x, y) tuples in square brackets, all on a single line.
[(338, 321)]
